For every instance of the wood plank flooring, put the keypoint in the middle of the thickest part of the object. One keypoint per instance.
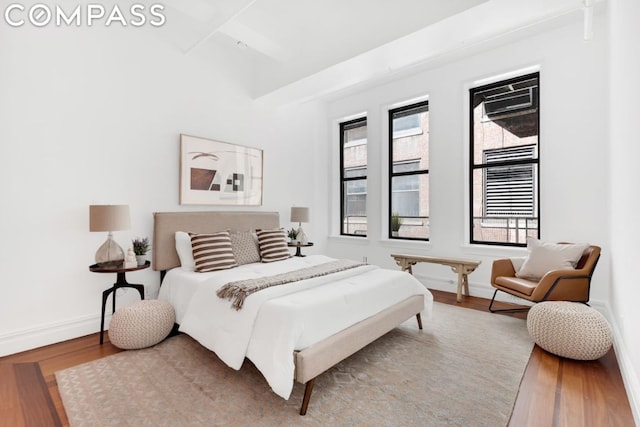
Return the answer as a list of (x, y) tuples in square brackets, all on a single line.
[(554, 391)]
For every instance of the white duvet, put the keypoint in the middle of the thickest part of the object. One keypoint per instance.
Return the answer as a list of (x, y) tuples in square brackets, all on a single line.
[(278, 320)]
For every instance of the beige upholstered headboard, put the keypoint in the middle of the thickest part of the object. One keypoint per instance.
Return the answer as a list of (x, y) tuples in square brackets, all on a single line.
[(165, 225)]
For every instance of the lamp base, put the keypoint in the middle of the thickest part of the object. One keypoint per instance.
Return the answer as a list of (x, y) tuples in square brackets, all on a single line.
[(301, 236), (110, 254)]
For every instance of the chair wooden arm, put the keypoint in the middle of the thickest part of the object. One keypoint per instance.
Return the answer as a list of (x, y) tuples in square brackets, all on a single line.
[(502, 267)]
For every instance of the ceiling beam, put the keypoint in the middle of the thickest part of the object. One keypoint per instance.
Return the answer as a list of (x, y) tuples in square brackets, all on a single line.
[(226, 14), (254, 40)]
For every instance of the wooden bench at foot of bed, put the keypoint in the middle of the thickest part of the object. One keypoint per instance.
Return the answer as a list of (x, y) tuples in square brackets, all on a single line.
[(314, 360)]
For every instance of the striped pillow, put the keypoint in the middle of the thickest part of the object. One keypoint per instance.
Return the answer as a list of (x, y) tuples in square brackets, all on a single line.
[(273, 245), (212, 251)]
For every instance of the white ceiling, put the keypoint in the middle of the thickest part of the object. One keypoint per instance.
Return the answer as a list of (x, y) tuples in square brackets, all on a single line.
[(290, 41), (314, 32)]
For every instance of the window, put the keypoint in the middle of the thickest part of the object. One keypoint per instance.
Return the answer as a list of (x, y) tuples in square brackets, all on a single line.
[(409, 172), (353, 177), (504, 161)]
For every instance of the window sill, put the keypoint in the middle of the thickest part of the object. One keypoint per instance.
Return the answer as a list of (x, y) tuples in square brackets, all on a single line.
[(350, 239), (408, 244), (493, 250)]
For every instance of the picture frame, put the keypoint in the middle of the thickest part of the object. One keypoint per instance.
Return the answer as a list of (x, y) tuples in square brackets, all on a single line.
[(219, 173)]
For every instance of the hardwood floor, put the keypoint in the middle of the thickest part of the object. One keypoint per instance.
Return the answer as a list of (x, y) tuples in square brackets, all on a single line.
[(562, 392), (554, 391)]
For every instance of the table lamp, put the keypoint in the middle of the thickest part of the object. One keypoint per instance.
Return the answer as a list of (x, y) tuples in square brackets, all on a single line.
[(300, 215), (109, 218)]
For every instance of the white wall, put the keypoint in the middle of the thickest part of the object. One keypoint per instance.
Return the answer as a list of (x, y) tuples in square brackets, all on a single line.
[(625, 176), (588, 161), (574, 168), (93, 115)]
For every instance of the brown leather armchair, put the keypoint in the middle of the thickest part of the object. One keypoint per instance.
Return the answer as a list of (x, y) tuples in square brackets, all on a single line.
[(556, 285)]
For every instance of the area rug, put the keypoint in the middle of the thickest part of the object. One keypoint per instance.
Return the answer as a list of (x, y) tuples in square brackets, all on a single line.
[(463, 369)]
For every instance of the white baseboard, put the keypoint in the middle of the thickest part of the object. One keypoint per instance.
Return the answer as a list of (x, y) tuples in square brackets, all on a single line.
[(481, 290), (34, 337), (627, 369), (26, 339)]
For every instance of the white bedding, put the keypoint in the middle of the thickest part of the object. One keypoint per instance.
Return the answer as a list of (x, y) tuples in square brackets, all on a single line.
[(276, 321)]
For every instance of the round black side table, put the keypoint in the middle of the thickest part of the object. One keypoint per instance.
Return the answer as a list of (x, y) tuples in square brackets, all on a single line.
[(298, 245), (121, 282)]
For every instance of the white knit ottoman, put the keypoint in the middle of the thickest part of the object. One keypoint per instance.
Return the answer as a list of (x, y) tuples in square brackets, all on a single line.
[(569, 329), (142, 324)]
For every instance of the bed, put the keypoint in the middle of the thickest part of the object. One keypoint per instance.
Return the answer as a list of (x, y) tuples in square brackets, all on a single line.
[(290, 332)]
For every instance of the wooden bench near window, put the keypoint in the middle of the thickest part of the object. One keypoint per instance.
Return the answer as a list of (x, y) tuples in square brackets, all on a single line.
[(462, 267)]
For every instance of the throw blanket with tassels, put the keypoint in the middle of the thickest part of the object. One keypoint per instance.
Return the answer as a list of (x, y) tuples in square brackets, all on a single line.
[(241, 289)]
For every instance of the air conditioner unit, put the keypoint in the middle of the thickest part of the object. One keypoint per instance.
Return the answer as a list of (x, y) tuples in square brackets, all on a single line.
[(509, 102)]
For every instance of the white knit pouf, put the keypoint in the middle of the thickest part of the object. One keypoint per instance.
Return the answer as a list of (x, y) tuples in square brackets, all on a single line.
[(141, 324), (569, 329)]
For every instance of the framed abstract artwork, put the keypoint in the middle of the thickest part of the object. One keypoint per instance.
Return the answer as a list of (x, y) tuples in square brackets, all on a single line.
[(219, 173)]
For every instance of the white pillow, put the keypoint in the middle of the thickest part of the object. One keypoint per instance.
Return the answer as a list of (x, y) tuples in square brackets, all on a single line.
[(517, 262), (183, 247), (544, 257)]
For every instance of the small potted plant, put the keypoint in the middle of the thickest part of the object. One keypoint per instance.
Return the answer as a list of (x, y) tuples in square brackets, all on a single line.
[(292, 234), (140, 248), (395, 224)]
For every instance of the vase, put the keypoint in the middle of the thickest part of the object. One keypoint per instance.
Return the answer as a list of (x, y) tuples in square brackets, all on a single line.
[(141, 259)]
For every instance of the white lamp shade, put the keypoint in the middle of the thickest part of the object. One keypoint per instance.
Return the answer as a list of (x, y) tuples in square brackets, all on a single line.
[(109, 217), (299, 214)]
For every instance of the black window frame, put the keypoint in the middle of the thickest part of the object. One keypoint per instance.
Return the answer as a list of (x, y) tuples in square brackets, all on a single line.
[(404, 109), (472, 166), (344, 126)]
